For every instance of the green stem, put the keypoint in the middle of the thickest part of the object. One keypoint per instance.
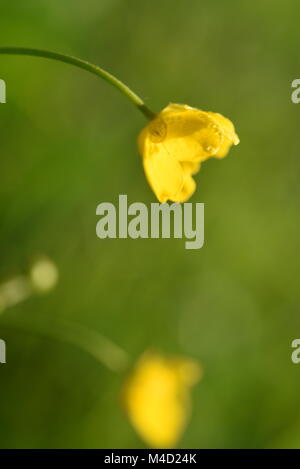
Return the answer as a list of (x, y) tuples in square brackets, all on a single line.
[(95, 344), (137, 101)]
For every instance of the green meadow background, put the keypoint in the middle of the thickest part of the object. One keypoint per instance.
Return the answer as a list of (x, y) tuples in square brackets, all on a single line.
[(68, 142)]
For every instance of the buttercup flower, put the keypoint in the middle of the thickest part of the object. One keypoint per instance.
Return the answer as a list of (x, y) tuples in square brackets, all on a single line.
[(157, 397), (175, 143)]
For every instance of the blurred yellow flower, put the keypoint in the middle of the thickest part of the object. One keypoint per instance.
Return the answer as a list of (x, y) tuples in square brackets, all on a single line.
[(174, 144), (157, 397)]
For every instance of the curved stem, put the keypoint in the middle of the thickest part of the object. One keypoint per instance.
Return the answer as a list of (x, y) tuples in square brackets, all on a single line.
[(102, 349), (139, 103)]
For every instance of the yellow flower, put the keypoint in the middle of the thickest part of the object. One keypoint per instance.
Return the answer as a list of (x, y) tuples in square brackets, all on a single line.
[(157, 397), (174, 144)]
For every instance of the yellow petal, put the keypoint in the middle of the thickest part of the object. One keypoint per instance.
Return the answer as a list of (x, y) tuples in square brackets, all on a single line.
[(185, 149), (189, 185), (163, 173), (190, 167), (227, 127), (230, 136), (188, 189), (157, 398), (191, 134)]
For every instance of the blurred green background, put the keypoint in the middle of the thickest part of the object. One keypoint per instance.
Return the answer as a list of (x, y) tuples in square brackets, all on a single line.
[(68, 142)]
